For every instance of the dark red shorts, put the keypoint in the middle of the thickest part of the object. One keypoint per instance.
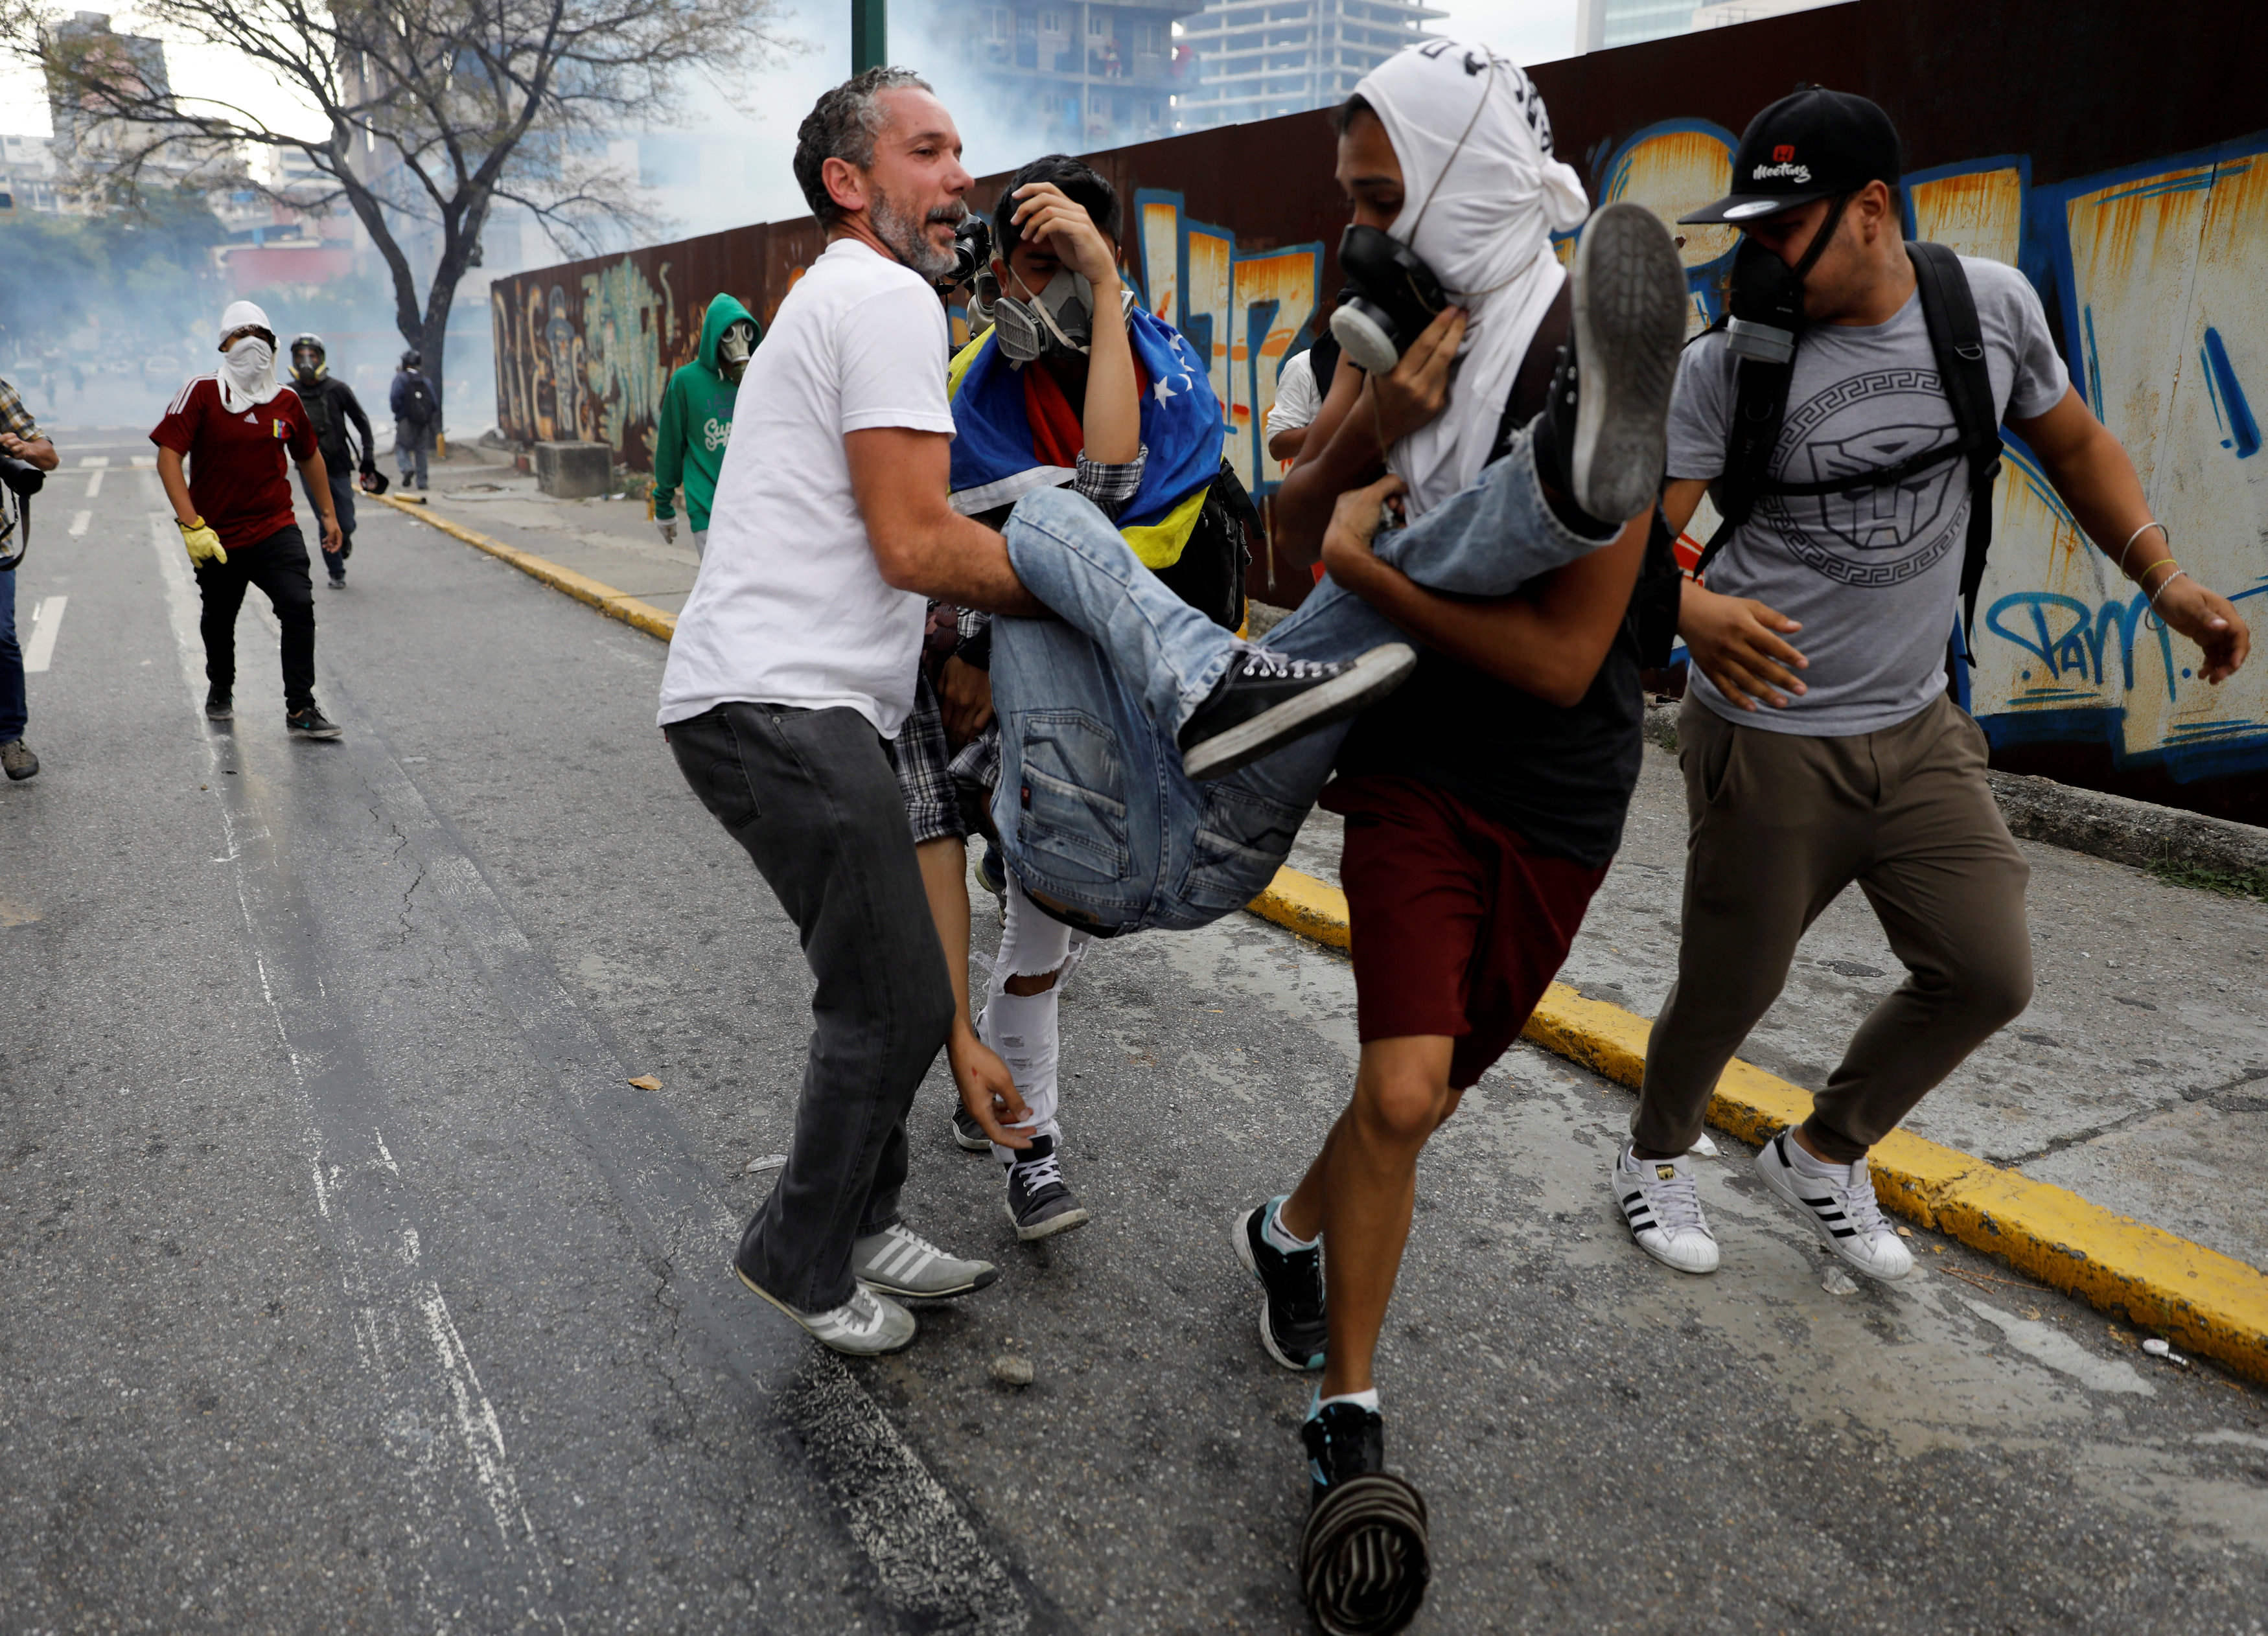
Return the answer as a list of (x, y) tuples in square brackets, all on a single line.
[(1459, 922)]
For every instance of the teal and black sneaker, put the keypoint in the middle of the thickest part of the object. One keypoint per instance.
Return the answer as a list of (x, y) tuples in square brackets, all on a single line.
[(1292, 1307), (1343, 1439)]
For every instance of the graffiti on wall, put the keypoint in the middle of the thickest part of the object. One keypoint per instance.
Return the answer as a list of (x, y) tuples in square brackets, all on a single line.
[(587, 363), (2158, 275), (1243, 312)]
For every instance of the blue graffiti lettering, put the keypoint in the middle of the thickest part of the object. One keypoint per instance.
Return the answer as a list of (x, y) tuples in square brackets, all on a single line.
[(2078, 647)]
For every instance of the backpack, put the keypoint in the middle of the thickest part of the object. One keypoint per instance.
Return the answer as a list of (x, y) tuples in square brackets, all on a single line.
[(322, 407), (417, 408), (1760, 404)]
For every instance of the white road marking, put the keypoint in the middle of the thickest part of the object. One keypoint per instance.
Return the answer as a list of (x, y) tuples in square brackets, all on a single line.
[(146, 461), (46, 619), (455, 1379), (94, 484), (93, 462), (78, 522)]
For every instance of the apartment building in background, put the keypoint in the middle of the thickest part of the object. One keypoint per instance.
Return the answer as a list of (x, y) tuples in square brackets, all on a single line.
[(1283, 56), (1084, 76), (1602, 25)]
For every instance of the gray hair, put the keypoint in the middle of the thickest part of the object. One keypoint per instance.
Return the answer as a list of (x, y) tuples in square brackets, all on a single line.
[(843, 125)]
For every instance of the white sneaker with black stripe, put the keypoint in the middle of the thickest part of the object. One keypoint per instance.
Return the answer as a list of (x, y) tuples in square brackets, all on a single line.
[(1662, 1207), (867, 1325), (1843, 1213), (899, 1262)]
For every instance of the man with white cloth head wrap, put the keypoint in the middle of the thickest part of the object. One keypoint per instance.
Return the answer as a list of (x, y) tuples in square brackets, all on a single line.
[(1485, 800), (232, 503), (1485, 196)]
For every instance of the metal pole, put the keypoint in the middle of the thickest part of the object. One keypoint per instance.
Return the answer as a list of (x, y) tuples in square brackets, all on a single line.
[(869, 34)]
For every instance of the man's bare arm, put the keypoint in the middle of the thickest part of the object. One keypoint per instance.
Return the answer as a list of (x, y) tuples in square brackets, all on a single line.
[(2091, 469), (1548, 639), (900, 478)]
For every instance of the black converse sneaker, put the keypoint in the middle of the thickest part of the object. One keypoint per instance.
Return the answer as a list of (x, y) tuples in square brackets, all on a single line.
[(1039, 1205), (219, 706), (1604, 437), (967, 1134), (1291, 1284), (1268, 699), (1343, 1439)]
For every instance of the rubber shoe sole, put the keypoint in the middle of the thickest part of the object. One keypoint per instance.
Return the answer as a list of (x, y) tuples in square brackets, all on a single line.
[(1354, 689), (890, 1342), (1063, 1222), (1240, 1238), (1631, 302)]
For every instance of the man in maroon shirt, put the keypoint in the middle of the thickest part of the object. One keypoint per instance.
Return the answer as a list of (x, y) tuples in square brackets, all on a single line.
[(234, 509)]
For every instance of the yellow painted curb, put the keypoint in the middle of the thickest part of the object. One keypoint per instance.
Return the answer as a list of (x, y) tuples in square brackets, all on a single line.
[(2213, 1304), (613, 603)]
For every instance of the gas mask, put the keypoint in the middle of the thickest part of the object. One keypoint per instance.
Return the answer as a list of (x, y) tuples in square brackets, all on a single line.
[(307, 364), (733, 348), (1395, 296), (1765, 302), (1060, 319)]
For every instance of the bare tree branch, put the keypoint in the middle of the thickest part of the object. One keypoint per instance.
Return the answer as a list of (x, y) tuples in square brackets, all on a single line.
[(431, 112)]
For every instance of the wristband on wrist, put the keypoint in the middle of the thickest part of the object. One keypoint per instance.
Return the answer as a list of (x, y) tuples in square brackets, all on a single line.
[(2164, 532), (2178, 573)]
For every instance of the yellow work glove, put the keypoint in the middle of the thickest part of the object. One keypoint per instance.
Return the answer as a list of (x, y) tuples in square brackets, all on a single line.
[(204, 545)]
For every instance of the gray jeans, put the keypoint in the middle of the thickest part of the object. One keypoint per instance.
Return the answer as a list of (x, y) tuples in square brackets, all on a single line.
[(811, 795)]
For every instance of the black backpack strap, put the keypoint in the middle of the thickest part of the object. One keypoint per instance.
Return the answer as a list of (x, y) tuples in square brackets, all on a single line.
[(1950, 311), (1531, 382)]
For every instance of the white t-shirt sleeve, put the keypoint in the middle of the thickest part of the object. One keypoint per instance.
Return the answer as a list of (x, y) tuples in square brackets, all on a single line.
[(893, 351), (1296, 402)]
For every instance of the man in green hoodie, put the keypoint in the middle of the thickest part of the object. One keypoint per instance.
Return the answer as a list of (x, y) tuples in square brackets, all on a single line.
[(696, 419)]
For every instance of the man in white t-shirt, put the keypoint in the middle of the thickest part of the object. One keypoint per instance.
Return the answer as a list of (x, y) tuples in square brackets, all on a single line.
[(793, 665), (792, 669), (1849, 760)]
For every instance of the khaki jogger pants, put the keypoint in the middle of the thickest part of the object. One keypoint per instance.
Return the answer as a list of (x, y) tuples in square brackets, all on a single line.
[(1779, 825)]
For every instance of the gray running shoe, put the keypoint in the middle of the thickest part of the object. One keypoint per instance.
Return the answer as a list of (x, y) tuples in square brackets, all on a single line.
[(901, 1263), (866, 1326), (17, 760)]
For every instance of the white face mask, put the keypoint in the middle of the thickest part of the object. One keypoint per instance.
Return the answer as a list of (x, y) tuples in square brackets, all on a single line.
[(247, 373)]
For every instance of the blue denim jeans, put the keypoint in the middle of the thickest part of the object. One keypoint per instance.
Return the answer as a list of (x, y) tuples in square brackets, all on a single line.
[(11, 663), (1095, 816)]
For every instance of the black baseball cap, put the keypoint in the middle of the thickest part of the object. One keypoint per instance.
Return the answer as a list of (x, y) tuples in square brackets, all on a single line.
[(1811, 145)]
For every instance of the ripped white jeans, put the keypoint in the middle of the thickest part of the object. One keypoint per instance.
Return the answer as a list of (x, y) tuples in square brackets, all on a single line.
[(1022, 1027)]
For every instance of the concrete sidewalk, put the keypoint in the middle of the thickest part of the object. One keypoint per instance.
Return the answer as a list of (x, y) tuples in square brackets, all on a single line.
[(611, 540)]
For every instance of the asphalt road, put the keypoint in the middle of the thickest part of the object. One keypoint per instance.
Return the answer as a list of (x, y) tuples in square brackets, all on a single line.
[(346, 1284)]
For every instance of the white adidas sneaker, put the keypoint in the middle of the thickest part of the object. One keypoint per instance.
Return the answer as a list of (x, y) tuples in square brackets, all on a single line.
[(1843, 1213), (1662, 1207), (867, 1325)]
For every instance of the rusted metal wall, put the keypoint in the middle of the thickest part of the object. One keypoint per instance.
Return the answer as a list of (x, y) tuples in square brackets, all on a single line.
[(2117, 153)]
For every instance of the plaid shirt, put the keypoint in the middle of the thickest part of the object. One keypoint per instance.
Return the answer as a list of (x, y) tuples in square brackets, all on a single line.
[(16, 420), (930, 773)]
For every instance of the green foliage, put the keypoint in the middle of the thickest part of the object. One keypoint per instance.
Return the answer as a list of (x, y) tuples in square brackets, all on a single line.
[(2228, 883), (148, 274)]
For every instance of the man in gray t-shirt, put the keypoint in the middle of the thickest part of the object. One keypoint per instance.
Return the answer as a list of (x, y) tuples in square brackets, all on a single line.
[(1844, 759), (1872, 575)]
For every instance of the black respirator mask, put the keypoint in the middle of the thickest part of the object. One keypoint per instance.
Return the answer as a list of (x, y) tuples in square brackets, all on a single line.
[(1765, 302), (972, 251), (1395, 296), (733, 348)]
